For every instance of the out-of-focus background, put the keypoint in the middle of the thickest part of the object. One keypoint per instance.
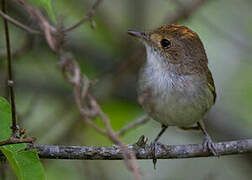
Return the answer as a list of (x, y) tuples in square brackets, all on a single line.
[(111, 58)]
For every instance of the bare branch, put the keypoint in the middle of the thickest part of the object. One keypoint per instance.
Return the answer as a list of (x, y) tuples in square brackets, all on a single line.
[(88, 17), (134, 124), (143, 152)]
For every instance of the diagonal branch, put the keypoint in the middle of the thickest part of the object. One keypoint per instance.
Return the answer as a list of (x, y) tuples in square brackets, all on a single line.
[(87, 18), (143, 152), (132, 125)]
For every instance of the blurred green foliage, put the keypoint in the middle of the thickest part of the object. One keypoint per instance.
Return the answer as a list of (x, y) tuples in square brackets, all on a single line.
[(108, 55)]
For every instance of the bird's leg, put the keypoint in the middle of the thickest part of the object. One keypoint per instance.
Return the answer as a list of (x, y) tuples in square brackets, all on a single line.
[(160, 133), (207, 143), (154, 143)]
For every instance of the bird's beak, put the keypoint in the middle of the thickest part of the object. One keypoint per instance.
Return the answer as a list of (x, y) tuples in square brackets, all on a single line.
[(139, 35)]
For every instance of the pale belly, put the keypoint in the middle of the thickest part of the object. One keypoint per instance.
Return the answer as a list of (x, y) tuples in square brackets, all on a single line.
[(175, 100)]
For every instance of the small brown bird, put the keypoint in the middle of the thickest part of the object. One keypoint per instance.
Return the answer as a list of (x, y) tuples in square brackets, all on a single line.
[(175, 86)]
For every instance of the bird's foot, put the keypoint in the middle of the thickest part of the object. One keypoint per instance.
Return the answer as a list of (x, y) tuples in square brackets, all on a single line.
[(209, 145), (142, 141)]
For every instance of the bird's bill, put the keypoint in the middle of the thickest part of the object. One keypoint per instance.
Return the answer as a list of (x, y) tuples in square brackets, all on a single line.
[(139, 35)]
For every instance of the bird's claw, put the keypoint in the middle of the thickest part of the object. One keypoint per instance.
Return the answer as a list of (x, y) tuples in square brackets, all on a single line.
[(141, 142), (208, 145), (153, 146)]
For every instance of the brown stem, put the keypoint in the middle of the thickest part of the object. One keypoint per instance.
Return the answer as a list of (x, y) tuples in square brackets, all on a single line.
[(10, 77)]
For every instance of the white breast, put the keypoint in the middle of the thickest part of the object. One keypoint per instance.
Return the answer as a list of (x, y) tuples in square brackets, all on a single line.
[(175, 100)]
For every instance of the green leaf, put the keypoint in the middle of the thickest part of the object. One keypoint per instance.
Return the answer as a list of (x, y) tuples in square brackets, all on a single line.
[(47, 5), (26, 164), (5, 119)]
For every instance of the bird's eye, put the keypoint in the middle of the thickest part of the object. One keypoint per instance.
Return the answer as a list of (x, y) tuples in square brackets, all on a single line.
[(165, 43)]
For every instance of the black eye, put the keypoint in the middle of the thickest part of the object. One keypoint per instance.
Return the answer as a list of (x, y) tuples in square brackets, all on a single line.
[(165, 43)]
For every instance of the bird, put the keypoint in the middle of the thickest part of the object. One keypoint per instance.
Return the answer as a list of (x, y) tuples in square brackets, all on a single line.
[(175, 85)]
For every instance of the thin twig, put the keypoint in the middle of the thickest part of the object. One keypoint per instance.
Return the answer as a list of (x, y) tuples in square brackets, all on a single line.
[(14, 140), (19, 24), (134, 124), (10, 77), (93, 125), (143, 152), (87, 18)]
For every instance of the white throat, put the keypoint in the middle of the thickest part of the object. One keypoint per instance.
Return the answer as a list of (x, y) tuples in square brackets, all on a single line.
[(154, 59)]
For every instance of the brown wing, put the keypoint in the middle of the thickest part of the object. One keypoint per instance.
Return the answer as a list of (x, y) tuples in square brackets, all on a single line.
[(211, 83)]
